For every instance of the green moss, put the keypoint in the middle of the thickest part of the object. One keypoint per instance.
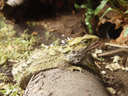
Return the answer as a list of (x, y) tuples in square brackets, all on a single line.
[(12, 47), (11, 90)]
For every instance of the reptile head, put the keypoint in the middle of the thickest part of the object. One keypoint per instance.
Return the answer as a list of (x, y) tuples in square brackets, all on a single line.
[(87, 40), (79, 47), (79, 43)]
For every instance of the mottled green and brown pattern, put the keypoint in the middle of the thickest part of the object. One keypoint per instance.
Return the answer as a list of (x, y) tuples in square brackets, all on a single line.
[(49, 57)]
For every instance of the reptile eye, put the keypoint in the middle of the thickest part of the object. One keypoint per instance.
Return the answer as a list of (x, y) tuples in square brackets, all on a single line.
[(86, 41)]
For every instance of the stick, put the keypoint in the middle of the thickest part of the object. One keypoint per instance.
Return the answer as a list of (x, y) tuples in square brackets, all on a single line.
[(115, 45), (112, 52)]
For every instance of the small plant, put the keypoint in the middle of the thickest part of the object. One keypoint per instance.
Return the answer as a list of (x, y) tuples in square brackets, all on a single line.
[(121, 3), (90, 12)]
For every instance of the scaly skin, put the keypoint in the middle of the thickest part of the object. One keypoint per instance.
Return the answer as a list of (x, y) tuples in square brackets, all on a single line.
[(53, 57)]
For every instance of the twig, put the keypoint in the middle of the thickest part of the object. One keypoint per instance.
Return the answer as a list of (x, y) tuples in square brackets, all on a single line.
[(115, 45), (112, 52)]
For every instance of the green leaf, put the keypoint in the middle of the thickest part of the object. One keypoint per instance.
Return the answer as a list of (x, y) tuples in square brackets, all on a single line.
[(80, 6), (109, 9), (123, 2), (126, 32), (98, 9), (126, 11), (76, 6), (83, 6)]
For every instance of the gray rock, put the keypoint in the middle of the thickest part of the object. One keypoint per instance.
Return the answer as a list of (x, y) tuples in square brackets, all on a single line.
[(58, 82)]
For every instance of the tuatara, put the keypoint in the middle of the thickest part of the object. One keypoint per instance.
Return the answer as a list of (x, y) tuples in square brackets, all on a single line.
[(48, 57)]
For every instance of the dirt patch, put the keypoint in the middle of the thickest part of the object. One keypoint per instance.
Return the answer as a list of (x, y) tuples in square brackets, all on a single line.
[(59, 27)]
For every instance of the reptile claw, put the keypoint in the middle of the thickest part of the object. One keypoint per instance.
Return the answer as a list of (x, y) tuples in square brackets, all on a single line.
[(75, 68)]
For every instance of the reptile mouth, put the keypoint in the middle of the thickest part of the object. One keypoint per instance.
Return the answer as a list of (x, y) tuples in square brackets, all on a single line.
[(93, 45)]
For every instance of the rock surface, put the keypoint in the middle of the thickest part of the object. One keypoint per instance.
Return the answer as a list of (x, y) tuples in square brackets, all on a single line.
[(58, 82)]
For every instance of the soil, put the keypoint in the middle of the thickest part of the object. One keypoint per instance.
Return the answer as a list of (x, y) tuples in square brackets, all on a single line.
[(59, 27)]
